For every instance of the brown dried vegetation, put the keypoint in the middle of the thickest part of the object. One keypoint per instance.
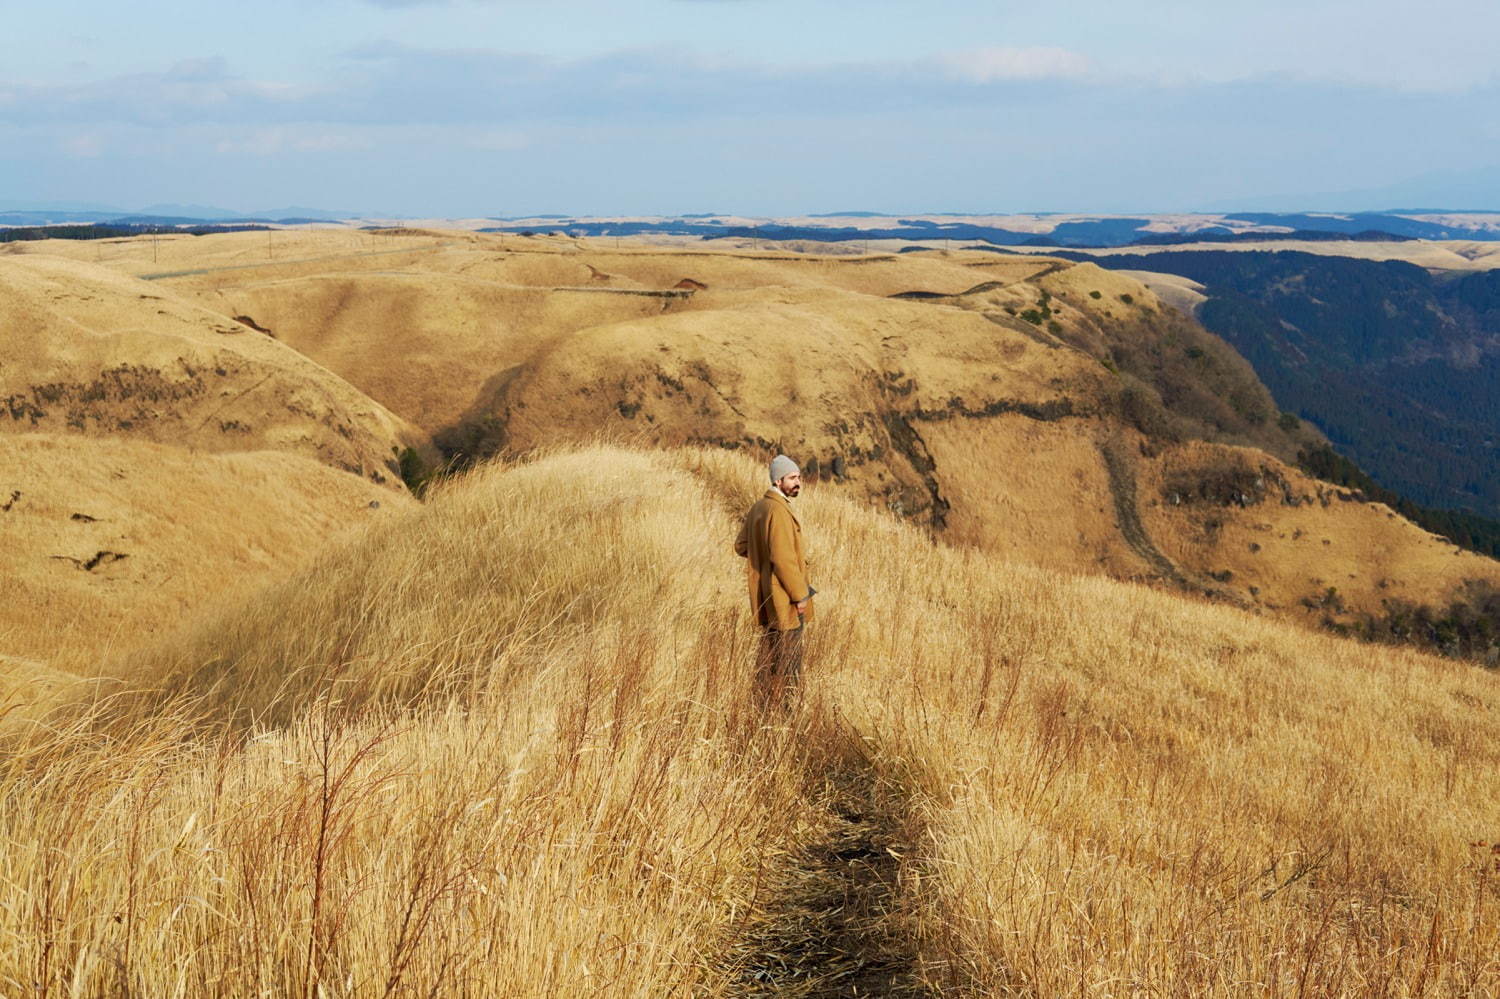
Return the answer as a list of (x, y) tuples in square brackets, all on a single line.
[(463, 755)]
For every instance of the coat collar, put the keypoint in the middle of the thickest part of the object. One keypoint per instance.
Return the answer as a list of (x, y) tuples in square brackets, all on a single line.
[(776, 494)]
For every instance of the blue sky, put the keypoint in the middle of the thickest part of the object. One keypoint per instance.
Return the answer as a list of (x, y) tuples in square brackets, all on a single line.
[(761, 107)]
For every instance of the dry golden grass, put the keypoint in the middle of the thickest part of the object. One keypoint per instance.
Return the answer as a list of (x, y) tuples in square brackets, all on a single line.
[(577, 801), (436, 334), (426, 343), (107, 544), (95, 353), (504, 746), (150, 255), (1182, 294), (994, 481), (940, 409), (1127, 793), (1365, 552)]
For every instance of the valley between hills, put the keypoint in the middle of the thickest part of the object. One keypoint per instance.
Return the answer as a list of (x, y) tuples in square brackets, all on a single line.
[(373, 628)]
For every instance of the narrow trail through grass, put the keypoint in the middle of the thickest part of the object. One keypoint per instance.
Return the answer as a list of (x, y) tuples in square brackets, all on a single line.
[(835, 923)]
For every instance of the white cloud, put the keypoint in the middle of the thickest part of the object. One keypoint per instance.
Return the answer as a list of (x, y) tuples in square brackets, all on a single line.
[(996, 64), (386, 83)]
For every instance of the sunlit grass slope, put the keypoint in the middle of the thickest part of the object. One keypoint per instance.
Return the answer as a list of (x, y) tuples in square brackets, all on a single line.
[(1049, 412), (105, 544), (1128, 793), (94, 353), (586, 816), (503, 746)]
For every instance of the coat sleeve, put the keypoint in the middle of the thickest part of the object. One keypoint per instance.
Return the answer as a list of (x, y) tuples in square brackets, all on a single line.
[(784, 561), (742, 543)]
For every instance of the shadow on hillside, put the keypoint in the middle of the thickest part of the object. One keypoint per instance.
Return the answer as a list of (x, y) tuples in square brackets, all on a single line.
[(480, 433)]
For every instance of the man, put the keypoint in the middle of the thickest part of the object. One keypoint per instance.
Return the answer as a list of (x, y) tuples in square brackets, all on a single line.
[(780, 597)]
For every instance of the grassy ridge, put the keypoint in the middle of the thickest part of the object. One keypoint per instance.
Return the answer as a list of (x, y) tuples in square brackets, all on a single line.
[(504, 746), (576, 800)]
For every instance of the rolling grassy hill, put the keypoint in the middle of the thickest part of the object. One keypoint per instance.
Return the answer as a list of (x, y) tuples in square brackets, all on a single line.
[(90, 351), (1073, 718), (503, 745), (1053, 412), (156, 453), (109, 542)]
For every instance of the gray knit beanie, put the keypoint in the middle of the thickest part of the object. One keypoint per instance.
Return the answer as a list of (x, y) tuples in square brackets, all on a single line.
[(781, 467)]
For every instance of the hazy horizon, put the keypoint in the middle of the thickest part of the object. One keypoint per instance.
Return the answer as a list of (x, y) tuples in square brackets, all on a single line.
[(222, 213)]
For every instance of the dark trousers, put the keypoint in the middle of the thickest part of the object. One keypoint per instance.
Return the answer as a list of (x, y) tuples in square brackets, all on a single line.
[(778, 666)]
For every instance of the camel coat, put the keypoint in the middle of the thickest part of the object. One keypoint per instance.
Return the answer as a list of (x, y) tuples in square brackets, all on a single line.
[(771, 542)]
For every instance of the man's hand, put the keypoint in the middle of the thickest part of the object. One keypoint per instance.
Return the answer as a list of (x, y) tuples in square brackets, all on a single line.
[(802, 607)]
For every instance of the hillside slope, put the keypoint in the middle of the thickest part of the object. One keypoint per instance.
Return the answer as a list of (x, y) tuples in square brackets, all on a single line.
[(107, 544), (1032, 407), (156, 453), (91, 352), (1398, 364), (1094, 782)]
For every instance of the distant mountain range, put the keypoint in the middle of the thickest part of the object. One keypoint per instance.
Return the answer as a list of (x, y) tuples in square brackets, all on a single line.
[(1038, 229), (1059, 230)]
